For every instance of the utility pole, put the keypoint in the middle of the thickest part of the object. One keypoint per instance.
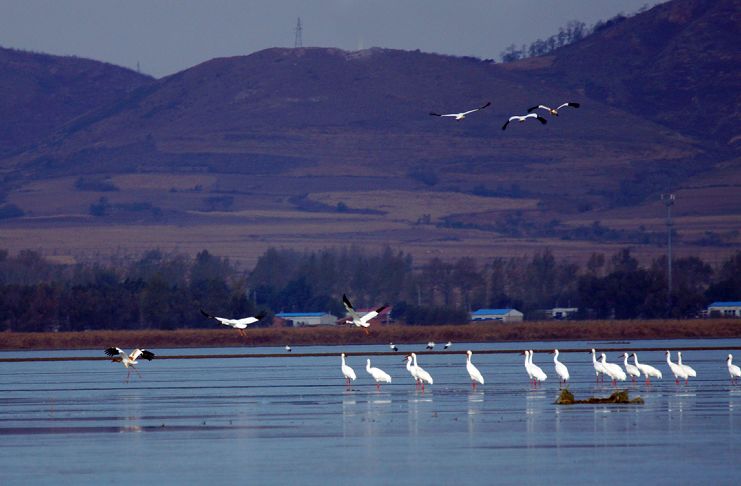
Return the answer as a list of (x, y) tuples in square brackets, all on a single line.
[(298, 40), (668, 202)]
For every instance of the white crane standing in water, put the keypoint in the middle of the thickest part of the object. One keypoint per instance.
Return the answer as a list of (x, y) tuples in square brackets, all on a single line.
[(130, 360), (633, 371), (613, 371), (473, 372), (687, 368), (733, 370), (648, 370), (598, 369), (420, 373), (561, 370), (538, 373), (347, 372), (378, 374), (677, 370)]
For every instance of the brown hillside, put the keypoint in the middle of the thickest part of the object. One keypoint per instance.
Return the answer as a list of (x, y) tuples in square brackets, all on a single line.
[(677, 64), (40, 92)]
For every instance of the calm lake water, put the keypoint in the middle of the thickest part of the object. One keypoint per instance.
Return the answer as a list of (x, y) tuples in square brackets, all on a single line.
[(291, 420)]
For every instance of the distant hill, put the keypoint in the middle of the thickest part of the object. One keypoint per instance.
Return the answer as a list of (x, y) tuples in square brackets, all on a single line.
[(313, 147), (40, 92)]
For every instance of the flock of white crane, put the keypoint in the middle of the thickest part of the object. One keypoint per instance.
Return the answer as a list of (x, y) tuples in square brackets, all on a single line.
[(531, 113), (536, 374)]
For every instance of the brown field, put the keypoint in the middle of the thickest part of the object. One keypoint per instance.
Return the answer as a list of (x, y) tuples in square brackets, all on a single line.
[(409, 206), (57, 223), (528, 331)]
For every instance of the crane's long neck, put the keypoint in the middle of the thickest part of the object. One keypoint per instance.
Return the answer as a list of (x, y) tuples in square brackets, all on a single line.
[(343, 359), (414, 358), (625, 361), (679, 358), (555, 358), (669, 359), (594, 357), (635, 360), (367, 366), (409, 363)]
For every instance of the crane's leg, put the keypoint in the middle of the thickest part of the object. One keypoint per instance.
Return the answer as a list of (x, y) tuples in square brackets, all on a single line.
[(137, 371), (367, 332), (128, 375), (378, 386)]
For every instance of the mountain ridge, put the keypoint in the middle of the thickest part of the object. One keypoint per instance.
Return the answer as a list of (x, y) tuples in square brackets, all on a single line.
[(313, 132)]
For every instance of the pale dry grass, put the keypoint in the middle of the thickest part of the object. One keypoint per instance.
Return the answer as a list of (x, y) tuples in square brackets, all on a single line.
[(245, 242), (401, 335), (163, 182), (410, 206)]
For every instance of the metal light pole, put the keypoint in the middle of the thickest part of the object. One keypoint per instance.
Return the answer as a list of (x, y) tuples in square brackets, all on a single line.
[(298, 40), (668, 202)]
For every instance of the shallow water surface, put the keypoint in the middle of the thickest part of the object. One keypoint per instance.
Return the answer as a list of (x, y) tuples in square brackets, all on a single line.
[(291, 420)]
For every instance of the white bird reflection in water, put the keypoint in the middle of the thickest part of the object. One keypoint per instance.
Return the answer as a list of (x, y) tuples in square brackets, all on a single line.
[(475, 408), (534, 402)]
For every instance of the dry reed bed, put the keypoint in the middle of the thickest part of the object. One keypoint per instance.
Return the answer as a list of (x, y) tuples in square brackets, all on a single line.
[(482, 332)]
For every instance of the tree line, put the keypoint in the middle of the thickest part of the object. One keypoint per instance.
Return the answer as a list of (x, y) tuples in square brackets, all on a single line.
[(166, 291), (572, 32)]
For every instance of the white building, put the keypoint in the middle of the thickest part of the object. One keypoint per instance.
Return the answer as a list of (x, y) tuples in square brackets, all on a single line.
[(501, 315), (725, 309), (562, 312), (299, 319)]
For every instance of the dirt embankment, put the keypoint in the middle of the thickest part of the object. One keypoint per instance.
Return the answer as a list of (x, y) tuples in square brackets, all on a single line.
[(489, 332)]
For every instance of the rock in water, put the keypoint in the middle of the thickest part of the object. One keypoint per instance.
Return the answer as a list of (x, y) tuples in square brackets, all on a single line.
[(620, 396)]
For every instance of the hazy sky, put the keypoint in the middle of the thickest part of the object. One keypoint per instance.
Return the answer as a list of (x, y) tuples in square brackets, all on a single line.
[(166, 36)]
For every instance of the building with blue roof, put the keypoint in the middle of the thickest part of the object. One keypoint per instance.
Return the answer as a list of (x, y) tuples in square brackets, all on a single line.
[(300, 319), (725, 309), (501, 315)]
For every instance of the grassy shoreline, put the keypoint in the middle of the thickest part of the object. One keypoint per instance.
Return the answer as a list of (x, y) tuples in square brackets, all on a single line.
[(490, 332)]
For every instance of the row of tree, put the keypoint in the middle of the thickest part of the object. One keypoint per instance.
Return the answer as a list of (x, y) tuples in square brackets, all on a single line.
[(167, 291), (572, 32)]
